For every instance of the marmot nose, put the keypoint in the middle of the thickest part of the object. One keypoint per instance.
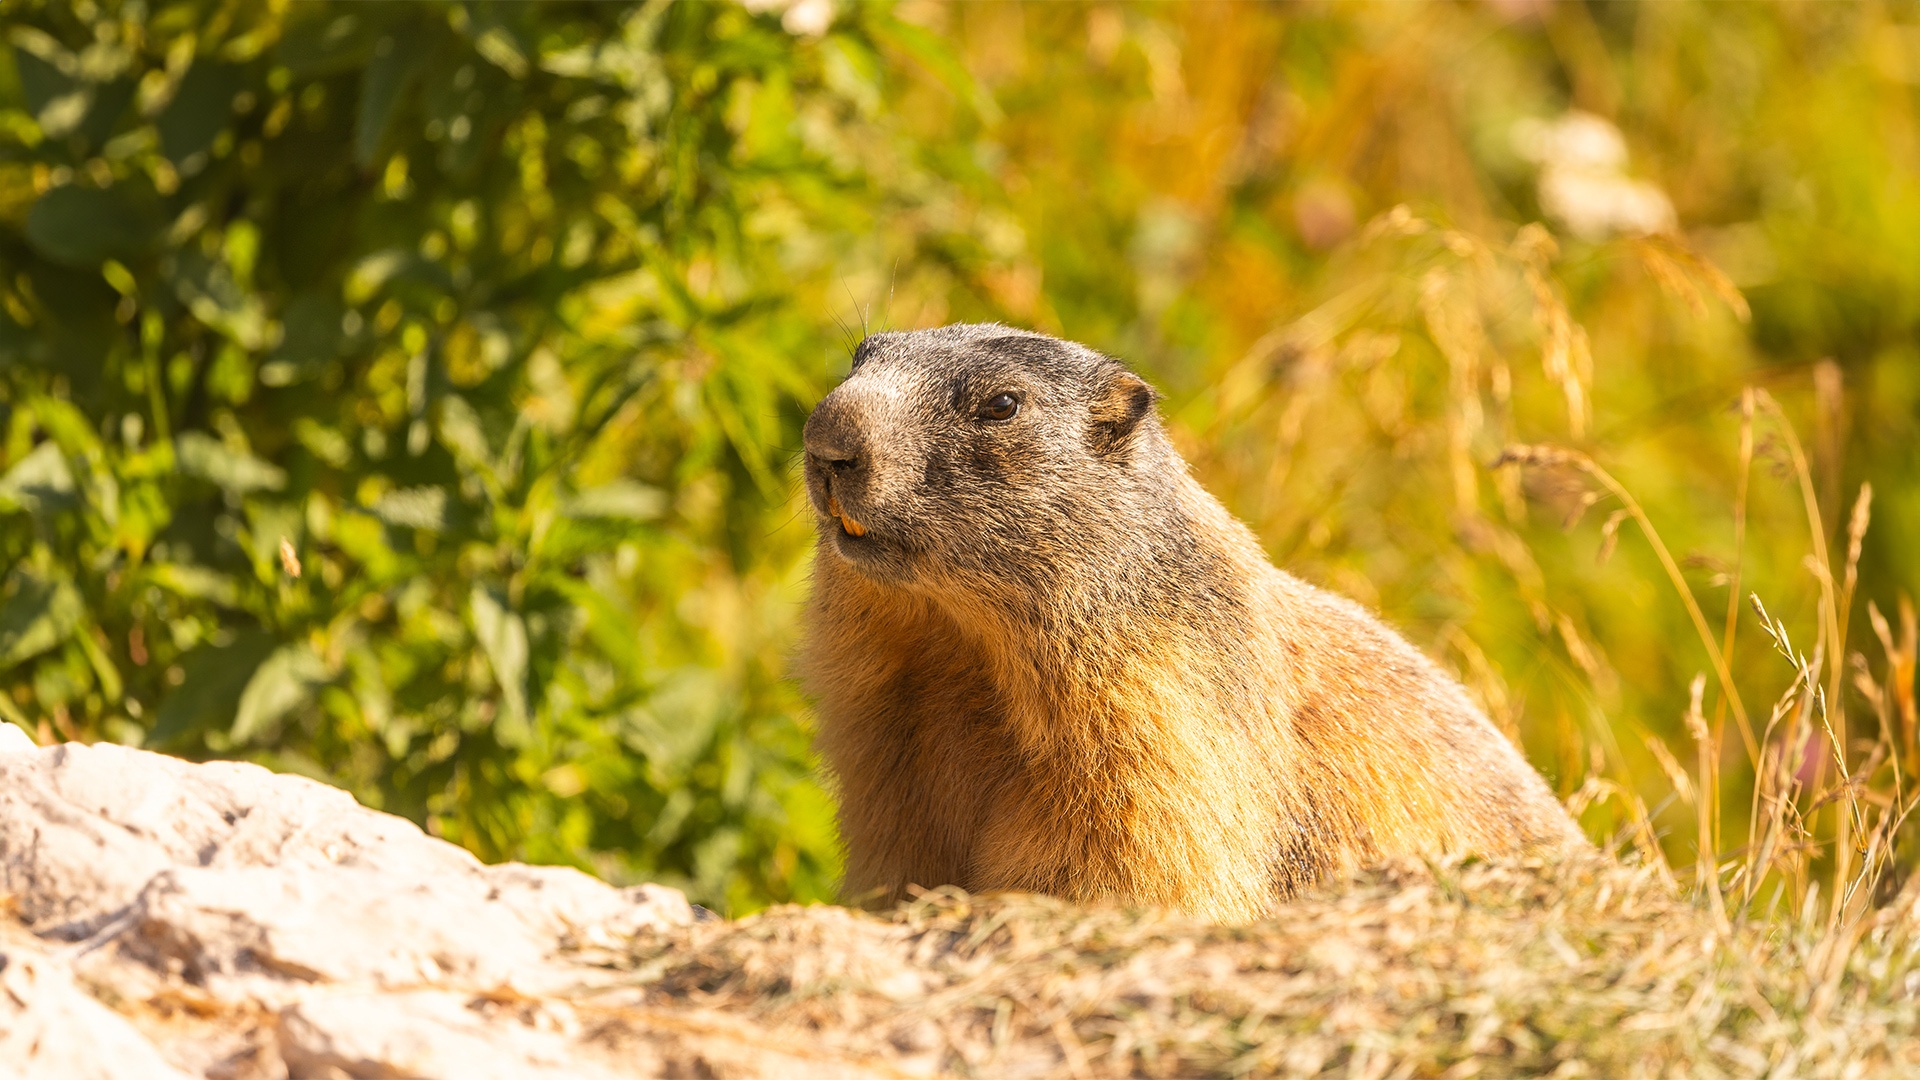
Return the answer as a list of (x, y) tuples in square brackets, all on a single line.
[(841, 467), (833, 441), (837, 455)]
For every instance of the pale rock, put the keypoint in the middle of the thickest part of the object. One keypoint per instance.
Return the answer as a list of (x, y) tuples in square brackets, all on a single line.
[(160, 918), (248, 879), (50, 1028), (13, 739), (422, 1033)]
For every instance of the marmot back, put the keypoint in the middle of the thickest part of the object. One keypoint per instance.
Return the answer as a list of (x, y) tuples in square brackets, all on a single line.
[(1047, 660)]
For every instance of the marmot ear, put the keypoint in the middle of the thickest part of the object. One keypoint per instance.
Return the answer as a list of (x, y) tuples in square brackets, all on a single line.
[(1126, 401)]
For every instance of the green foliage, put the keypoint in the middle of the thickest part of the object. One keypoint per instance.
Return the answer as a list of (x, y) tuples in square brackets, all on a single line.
[(399, 394)]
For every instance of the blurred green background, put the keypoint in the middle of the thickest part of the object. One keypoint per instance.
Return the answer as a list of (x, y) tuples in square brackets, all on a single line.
[(407, 394)]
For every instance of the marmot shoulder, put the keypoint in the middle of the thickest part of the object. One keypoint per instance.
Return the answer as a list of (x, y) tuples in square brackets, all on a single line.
[(1046, 659)]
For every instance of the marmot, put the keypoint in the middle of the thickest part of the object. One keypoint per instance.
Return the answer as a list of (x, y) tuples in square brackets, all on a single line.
[(1045, 659)]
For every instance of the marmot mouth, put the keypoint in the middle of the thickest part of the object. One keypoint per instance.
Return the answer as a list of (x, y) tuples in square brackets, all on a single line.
[(847, 523)]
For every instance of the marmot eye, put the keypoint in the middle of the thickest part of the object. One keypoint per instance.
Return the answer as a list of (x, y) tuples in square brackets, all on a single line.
[(1000, 407)]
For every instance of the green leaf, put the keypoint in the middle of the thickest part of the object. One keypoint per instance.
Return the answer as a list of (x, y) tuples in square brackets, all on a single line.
[(319, 41), (382, 84), (675, 726), (36, 62), (208, 288), (463, 435), (80, 443), (40, 482), (70, 95), (109, 104), (321, 441), (414, 508), (623, 499), (310, 339), (503, 637), (36, 615), (212, 680), (201, 108), (375, 698), (282, 683), (104, 669), (608, 623), (196, 583), (208, 458), (83, 227), (498, 46), (367, 275)]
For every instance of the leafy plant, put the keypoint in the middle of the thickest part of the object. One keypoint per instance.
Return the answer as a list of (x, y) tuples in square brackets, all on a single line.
[(401, 394)]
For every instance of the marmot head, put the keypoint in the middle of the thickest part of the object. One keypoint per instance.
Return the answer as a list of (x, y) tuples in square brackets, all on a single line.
[(978, 453)]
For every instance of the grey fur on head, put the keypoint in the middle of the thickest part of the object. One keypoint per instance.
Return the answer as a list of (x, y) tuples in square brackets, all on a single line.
[(945, 491)]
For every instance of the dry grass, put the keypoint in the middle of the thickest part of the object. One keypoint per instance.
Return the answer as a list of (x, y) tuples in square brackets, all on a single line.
[(1588, 969)]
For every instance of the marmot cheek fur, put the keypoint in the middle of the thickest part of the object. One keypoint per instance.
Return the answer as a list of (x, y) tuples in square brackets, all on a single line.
[(1045, 659)]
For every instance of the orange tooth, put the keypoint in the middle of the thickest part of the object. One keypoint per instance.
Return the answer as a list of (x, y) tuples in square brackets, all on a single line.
[(853, 527)]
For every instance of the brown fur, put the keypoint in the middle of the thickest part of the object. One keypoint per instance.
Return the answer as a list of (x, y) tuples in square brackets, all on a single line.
[(1046, 659)]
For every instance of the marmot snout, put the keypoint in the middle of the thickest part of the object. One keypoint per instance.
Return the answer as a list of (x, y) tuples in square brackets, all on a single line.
[(1046, 659)]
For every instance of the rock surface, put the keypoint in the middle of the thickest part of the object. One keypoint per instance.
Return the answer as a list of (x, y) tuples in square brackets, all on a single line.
[(166, 919)]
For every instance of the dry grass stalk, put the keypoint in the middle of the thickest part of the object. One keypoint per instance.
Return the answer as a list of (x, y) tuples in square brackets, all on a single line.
[(1573, 459), (1806, 732)]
